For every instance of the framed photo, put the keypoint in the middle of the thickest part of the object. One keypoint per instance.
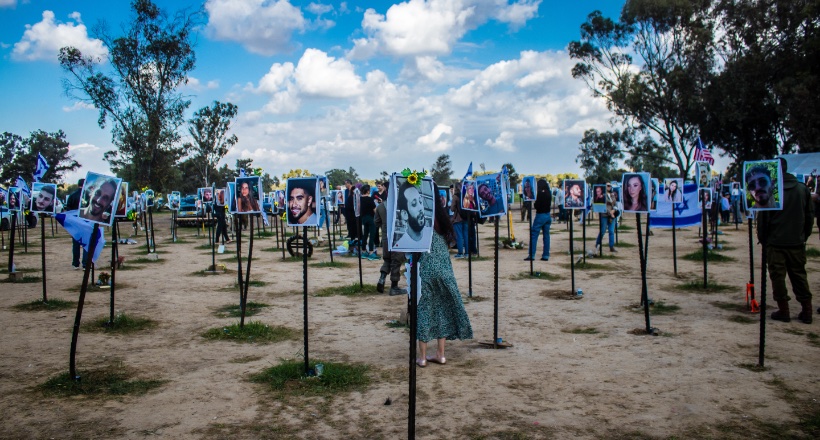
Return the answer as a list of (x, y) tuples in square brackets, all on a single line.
[(206, 194), (98, 200), (14, 200), (340, 197), (599, 198), (230, 197), (43, 198), (575, 191), (4, 195), (173, 201), (410, 214), (219, 196), (492, 195), (357, 202), (279, 199), (653, 205), (248, 195), (149, 197), (468, 196), (705, 197), (636, 192), (528, 193), (703, 174), (444, 197), (138, 205), (672, 190), (302, 208), (763, 180), (122, 202)]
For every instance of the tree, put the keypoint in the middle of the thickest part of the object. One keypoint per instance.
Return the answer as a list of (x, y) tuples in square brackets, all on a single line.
[(139, 95), (673, 41), (648, 156), (599, 155), (209, 129), (336, 177), (298, 172), (442, 170), (18, 156), (513, 175)]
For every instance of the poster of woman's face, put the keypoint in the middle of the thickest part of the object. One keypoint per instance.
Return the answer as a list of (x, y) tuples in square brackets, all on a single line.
[(302, 202), (528, 189), (410, 214), (444, 197), (98, 200), (206, 194), (705, 197), (340, 197), (122, 201), (492, 195), (230, 197), (599, 198), (248, 196), (322, 186), (43, 197), (703, 173), (672, 190), (14, 198), (636, 192), (654, 199), (574, 194), (763, 181), (468, 196), (219, 196)]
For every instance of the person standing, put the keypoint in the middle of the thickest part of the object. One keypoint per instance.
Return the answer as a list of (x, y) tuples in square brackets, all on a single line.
[(367, 210), (349, 213), (72, 204), (608, 220), (542, 222), (785, 233), (459, 225), (221, 225)]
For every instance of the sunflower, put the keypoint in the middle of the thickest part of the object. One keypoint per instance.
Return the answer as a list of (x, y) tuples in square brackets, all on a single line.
[(413, 178)]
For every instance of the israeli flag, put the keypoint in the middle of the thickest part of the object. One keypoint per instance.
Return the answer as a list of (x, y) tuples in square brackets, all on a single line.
[(23, 186), (469, 172), (81, 229), (687, 213), (41, 168), (242, 172)]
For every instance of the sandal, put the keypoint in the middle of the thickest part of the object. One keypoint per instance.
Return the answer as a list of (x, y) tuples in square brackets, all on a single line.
[(436, 360), (421, 363)]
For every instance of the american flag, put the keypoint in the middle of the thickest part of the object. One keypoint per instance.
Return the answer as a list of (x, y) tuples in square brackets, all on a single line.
[(702, 154)]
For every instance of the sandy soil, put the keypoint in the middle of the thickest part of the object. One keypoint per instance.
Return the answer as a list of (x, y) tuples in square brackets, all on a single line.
[(692, 381)]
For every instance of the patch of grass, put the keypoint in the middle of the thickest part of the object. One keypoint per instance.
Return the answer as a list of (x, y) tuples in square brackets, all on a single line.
[(564, 294), (536, 275), (22, 279), (288, 378), (812, 252), (349, 290), (581, 331), (272, 249), (793, 331), (206, 247), (734, 307), (115, 380), (128, 266), (814, 339), (52, 304), (331, 264), (245, 359), (741, 319), (253, 331), (697, 286), (146, 260), (588, 266), (396, 324), (711, 256), (234, 311), (122, 324), (623, 244), (233, 259), (179, 241), (265, 234), (254, 283), (656, 308), (753, 367)]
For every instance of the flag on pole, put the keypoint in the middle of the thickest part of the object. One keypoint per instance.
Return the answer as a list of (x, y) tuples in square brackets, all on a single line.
[(80, 229), (702, 154), (469, 172), (41, 168), (23, 186), (242, 172)]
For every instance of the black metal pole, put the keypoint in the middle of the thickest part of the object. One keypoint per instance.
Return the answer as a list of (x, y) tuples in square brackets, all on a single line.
[(305, 296), (11, 241), (584, 235), (282, 222), (247, 283), (495, 286), (469, 255), (24, 226), (115, 253), (751, 257), (75, 334), (763, 262), (145, 226), (414, 287), (705, 238), (239, 264), (151, 221), (531, 250), (43, 250), (359, 244), (571, 255), (644, 292), (212, 237), (674, 243), (601, 231), (327, 225)]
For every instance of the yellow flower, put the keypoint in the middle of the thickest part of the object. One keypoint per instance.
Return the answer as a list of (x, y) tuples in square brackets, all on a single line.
[(413, 178)]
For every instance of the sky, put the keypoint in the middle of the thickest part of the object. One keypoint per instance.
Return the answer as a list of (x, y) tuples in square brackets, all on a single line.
[(377, 86)]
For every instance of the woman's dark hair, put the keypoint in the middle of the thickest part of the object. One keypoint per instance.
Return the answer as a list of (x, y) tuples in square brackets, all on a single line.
[(641, 196), (543, 198), (442, 223)]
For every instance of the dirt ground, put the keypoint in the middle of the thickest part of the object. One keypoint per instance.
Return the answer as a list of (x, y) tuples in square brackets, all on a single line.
[(578, 368)]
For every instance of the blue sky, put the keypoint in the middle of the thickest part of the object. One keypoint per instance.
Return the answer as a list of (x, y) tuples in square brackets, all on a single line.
[(320, 85)]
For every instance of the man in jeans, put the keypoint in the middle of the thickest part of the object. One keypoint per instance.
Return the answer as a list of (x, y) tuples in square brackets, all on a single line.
[(608, 220), (72, 204)]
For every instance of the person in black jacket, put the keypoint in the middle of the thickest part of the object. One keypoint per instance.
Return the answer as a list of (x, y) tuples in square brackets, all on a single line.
[(542, 222), (73, 204)]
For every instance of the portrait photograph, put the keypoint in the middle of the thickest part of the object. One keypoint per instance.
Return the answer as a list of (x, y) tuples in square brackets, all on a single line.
[(219, 196), (173, 201), (98, 200), (301, 201), (340, 197), (492, 195), (149, 197), (230, 197), (616, 193), (137, 201), (206, 194), (672, 190), (43, 198), (636, 192), (574, 194), (357, 202), (763, 181), (333, 198), (528, 189), (705, 197), (4, 195), (122, 201), (410, 214), (703, 174), (444, 196), (279, 198), (468, 196), (599, 198), (248, 195), (13, 198), (653, 205)]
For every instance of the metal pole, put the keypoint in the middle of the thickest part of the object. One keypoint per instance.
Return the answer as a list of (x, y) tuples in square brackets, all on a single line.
[(43, 250), (531, 250), (469, 254), (414, 287), (495, 287), (674, 243), (115, 253), (763, 263), (705, 237), (571, 255), (75, 334), (644, 293), (305, 296)]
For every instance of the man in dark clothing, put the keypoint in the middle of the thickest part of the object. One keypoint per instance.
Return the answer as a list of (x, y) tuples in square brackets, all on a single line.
[(72, 204), (785, 233), (349, 213)]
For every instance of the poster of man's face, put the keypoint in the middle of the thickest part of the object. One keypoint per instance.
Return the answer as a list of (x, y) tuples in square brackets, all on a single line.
[(43, 197), (599, 198), (672, 190), (703, 174), (122, 201), (301, 204), (492, 195), (468, 196), (410, 214), (98, 200), (206, 194), (248, 196), (763, 180), (705, 197), (574, 194), (528, 189)]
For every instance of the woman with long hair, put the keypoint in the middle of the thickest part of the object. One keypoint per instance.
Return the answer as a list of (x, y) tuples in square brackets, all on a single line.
[(441, 313), (542, 222), (634, 193), (673, 193)]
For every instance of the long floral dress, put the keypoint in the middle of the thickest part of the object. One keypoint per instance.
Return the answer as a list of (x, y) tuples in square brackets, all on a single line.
[(441, 313)]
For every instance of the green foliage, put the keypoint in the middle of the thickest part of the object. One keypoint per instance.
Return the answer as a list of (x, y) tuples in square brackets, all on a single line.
[(209, 130), (234, 311), (121, 324), (289, 378), (599, 156), (697, 286), (253, 331), (18, 156), (442, 170), (336, 177), (113, 380), (349, 290), (711, 256), (52, 304), (514, 177)]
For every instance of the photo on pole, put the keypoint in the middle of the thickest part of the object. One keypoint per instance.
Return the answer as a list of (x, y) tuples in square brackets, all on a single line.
[(599, 198), (230, 197), (492, 195), (149, 197), (703, 174), (4, 196), (357, 202), (43, 198), (528, 193), (301, 204), (340, 198), (122, 201), (705, 194), (444, 196), (763, 180), (636, 192), (468, 196), (206, 194), (248, 195), (98, 200), (173, 201), (14, 199), (654, 199), (410, 214), (574, 194), (672, 190), (219, 196)]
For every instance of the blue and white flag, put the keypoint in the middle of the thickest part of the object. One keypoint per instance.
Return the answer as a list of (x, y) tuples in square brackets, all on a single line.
[(469, 172), (687, 213), (22, 185), (242, 172), (41, 168), (81, 229)]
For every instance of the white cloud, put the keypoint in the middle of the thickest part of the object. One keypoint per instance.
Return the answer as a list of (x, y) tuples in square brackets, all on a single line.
[(434, 141), (196, 85), (318, 8), (517, 14), (261, 26), (78, 106), (8, 3), (321, 75), (43, 40), (82, 148), (503, 142)]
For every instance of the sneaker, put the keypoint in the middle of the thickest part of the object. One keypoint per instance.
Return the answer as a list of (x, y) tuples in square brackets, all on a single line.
[(395, 291), (612, 249), (76, 267), (545, 258), (459, 256)]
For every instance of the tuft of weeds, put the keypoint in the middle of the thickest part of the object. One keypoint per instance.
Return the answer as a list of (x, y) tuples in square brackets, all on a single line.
[(397, 324), (272, 249), (22, 280), (145, 260), (661, 308), (741, 319), (588, 266), (107, 381), (753, 367), (581, 331), (234, 311), (122, 324), (711, 256), (349, 290), (52, 304), (697, 286), (734, 307), (331, 264), (812, 252), (290, 379), (623, 244), (253, 331), (536, 275)]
